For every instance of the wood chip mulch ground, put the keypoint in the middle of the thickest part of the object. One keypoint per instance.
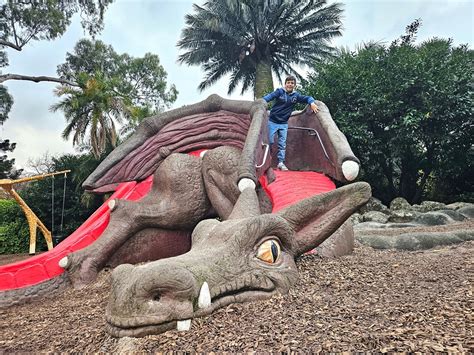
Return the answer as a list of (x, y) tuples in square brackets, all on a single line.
[(369, 301)]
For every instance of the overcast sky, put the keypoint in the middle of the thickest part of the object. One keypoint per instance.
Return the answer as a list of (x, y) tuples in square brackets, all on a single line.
[(140, 26)]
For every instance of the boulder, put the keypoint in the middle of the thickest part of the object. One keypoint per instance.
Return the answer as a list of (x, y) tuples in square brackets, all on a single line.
[(369, 225), (374, 204), (434, 218), (356, 218), (402, 216), (457, 205), (415, 241), (376, 225), (399, 203), (375, 216), (428, 206), (458, 217), (467, 211)]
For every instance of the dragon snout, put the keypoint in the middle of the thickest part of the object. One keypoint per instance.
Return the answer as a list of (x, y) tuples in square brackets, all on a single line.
[(151, 298)]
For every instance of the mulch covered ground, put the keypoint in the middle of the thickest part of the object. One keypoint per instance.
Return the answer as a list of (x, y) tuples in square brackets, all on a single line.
[(371, 300)]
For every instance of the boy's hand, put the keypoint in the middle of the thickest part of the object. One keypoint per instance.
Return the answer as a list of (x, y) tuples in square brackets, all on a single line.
[(314, 107)]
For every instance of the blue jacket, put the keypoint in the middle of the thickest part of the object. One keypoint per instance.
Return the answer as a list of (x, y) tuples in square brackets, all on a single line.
[(284, 104)]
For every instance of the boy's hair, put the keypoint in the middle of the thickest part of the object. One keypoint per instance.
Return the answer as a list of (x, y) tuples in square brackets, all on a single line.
[(290, 78)]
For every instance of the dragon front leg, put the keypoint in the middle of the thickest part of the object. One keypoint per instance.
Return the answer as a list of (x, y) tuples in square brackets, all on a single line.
[(177, 200)]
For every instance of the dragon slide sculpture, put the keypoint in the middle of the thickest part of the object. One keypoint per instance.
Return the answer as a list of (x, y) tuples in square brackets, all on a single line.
[(219, 225)]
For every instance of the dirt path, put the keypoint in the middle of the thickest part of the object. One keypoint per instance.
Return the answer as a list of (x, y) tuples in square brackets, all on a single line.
[(371, 300)]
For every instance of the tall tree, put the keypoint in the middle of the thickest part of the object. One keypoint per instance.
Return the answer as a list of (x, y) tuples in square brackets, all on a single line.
[(251, 39), (7, 170), (407, 111), (6, 101), (24, 21), (113, 88)]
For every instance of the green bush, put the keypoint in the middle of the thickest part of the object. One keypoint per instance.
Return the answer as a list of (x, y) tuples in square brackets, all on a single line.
[(407, 110), (14, 231)]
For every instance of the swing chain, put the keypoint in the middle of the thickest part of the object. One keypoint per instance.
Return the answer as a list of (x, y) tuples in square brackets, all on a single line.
[(64, 200), (52, 205)]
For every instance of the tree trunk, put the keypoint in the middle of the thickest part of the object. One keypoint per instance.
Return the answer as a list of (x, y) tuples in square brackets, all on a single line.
[(409, 174), (421, 187), (387, 169), (263, 79)]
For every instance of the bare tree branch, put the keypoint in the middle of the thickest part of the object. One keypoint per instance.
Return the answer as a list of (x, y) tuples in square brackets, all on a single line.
[(36, 79), (10, 44)]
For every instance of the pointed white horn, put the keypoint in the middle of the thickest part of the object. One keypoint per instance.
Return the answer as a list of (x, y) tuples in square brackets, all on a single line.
[(183, 325), (350, 169), (246, 182), (111, 205), (204, 299)]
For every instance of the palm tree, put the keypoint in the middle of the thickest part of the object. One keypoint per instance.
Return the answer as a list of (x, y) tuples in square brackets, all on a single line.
[(250, 39), (92, 111)]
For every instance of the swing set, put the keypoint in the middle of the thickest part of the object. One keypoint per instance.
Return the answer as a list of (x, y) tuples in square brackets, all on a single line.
[(33, 221)]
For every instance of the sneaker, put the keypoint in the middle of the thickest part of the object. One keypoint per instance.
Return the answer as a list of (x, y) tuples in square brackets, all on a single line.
[(282, 166)]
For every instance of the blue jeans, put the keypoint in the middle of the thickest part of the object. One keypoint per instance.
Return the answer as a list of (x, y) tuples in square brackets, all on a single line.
[(281, 129)]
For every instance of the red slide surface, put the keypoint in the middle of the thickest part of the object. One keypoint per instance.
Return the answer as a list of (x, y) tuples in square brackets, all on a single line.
[(45, 266), (290, 187)]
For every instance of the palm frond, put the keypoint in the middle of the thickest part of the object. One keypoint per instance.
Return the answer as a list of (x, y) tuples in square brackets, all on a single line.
[(230, 36)]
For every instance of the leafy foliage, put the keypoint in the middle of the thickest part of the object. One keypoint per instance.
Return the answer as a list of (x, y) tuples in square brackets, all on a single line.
[(39, 196), (78, 206), (250, 39), (6, 101), (91, 111), (407, 111), (112, 89), (25, 21), (141, 80), (7, 170), (14, 233)]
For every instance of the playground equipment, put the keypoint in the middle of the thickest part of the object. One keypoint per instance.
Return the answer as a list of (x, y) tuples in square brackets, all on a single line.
[(33, 221), (216, 224)]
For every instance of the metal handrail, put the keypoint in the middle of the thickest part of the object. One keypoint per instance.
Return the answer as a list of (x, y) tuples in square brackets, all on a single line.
[(313, 132), (265, 155)]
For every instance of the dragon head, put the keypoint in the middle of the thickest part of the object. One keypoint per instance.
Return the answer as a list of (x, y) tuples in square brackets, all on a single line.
[(249, 256)]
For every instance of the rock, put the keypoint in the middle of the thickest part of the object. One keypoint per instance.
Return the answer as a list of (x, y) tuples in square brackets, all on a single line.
[(467, 211), (454, 215), (369, 225), (375, 216), (399, 203), (374, 204), (434, 218), (376, 225), (417, 208), (401, 216), (457, 205), (356, 218), (415, 241), (427, 206)]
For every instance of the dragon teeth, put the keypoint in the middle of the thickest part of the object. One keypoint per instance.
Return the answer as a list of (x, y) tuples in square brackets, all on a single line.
[(204, 299), (183, 325)]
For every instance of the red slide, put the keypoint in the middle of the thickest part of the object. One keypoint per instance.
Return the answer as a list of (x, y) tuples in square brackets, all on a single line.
[(290, 187), (45, 266)]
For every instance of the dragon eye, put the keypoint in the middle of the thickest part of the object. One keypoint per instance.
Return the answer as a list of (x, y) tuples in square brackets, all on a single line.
[(269, 251)]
